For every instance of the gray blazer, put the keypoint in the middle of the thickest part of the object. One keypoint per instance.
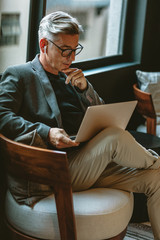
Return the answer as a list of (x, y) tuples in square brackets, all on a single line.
[(28, 102), (28, 109)]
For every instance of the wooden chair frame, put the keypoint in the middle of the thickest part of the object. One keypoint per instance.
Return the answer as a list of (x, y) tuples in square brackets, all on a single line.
[(146, 108), (47, 167)]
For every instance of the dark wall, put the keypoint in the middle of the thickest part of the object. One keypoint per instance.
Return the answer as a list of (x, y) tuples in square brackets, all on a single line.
[(114, 85), (150, 60)]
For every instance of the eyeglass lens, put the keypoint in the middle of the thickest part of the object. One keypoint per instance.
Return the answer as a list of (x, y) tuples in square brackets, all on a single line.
[(68, 52)]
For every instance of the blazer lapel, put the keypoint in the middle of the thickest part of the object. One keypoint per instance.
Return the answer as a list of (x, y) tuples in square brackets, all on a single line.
[(47, 88)]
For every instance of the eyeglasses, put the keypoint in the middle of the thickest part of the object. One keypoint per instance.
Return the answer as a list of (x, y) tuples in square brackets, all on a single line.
[(68, 52)]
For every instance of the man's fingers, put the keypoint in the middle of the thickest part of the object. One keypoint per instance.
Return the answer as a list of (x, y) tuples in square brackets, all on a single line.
[(72, 73), (69, 70), (65, 142), (76, 77)]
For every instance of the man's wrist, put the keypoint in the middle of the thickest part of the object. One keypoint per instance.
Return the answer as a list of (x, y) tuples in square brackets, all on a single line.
[(81, 90)]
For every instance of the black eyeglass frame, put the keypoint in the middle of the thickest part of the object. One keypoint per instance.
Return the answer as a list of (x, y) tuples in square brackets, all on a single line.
[(71, 50)]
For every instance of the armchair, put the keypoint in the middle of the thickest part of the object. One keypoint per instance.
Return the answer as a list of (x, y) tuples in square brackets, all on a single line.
[(91, 214)]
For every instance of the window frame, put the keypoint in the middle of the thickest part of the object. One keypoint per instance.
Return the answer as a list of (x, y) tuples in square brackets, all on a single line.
[(133, 34)]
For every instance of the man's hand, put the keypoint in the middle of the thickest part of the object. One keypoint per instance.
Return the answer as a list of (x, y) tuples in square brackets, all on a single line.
[(60, 139), (76, 77)]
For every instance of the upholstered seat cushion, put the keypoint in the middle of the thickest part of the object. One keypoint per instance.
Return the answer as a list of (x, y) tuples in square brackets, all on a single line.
[(100, 213)]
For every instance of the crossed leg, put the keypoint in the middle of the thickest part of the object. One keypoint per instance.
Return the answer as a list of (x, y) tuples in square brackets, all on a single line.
[(114, 159)]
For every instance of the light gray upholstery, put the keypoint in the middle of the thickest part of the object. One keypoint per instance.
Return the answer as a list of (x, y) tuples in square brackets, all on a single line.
[(100, 213)]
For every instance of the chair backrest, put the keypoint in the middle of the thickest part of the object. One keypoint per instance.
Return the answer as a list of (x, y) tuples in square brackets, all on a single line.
[(146, 108), (43, 166)]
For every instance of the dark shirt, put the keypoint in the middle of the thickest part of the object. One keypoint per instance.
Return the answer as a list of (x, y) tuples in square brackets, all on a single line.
[(68, 102)]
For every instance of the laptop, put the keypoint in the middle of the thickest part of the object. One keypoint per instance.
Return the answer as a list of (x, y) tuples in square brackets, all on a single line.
[(100, 117)]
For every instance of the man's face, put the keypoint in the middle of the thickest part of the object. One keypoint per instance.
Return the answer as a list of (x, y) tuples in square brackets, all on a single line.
[(55, 62)]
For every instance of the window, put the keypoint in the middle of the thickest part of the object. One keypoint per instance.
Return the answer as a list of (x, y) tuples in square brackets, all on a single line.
[(10, 29), (116, 27), (13, 32), (103, 22)]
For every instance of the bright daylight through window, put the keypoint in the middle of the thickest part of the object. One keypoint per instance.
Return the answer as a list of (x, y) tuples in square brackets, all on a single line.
[(14, 18), (103, 22)]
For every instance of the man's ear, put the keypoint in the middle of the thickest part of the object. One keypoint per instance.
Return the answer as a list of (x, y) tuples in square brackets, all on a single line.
[(43, 45)]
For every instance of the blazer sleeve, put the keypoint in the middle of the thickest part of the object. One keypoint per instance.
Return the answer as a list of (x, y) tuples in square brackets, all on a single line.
[(89, 97), (12, 124)]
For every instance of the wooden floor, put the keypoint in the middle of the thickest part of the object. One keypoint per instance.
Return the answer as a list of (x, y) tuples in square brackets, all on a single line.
[(139, 231)]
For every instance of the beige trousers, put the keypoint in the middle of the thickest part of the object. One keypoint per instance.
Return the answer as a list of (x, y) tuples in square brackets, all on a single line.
[(114, 159)]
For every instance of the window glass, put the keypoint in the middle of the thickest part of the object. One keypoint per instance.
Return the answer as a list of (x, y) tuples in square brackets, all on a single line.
[(103, 22), (13, 32), (10, 29)]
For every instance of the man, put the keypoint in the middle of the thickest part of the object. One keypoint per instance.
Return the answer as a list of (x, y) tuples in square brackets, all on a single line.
[(43, 102)]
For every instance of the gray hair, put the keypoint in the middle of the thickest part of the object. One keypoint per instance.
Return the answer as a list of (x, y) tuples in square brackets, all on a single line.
[(58, 22)]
